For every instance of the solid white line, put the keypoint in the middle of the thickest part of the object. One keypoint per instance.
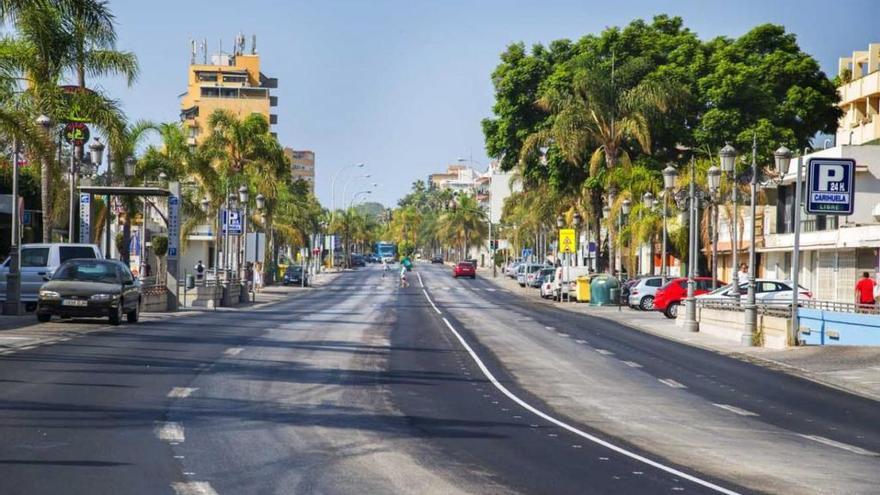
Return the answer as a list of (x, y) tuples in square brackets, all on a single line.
[(181, 392), (735, 410), (839, 445), (233, 351), (604, 352), (193, 488), (421, 284), (620, 450), (170, 432), (671, 383), (632, 364), (430, 301)]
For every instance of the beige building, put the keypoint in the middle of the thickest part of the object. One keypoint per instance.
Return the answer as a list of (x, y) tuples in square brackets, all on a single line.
[(860, 97), (230, 82), (302, 166)]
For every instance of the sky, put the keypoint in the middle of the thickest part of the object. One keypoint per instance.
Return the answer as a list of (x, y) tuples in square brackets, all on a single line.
[(402, 85)]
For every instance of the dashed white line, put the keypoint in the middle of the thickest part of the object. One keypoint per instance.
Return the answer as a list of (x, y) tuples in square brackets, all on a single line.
[(620, 450), (562, 334), (604, 352), (580, 341), (671, 383), (839, 445), (193, 488), (233, 351), (632, 364), (735, 410), (181, 392), (550, 328), (170, 432)]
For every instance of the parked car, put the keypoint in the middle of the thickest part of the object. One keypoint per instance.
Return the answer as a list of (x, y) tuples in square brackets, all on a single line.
[(464, 269), (525, 271), (669, 297), (512, 268), (91, 288), (536, 279), (437, 259), (357, 260), (294, 275), (641, 293), (41, 260), (548, 285), (768, 292)]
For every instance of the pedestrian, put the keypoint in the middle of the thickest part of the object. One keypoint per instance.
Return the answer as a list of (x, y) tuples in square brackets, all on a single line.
[(742, 276), (865, 292), (258, 277), (384, 267), (403, 281), (200, 272)]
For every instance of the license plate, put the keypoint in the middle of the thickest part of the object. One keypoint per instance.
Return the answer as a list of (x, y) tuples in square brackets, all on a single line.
[(74, 302)]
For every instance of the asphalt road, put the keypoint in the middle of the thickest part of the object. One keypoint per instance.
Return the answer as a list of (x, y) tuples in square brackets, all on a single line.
[(361, 387)]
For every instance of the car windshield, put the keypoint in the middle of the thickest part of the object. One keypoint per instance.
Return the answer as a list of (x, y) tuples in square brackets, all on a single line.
[(87, 272), (294, 270)]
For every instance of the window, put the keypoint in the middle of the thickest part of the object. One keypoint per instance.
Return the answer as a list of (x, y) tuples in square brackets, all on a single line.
[(125, 274), (94, 271), (683, 284), (234, 78), (654, 282), (73, 252), (35, 257), (207, 76)]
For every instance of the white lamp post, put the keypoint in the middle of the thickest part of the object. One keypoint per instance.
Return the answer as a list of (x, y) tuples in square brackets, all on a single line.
[(727, 156)]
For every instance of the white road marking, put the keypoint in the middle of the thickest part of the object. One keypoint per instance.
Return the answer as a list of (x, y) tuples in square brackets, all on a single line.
[(181, 392), (430, 301), (839, 445), (620, 450), (550, 328), (671, 383), (632, 364), (421, 284), (491, 290), (562, 334), (193, 488), (170, 432), (735, 410), (604, 352), (26, 348), (233, 351), (580, 341)]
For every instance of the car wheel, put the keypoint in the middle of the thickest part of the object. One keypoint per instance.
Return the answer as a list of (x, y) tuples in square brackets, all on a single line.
[(44, 317), (116, 316), (134, 315), (473, 277), (671, 311), (647, 303)]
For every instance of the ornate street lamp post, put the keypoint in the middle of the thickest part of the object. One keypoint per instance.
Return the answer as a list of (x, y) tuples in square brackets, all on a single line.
[(670, 175), (713, 178), (727, 156)]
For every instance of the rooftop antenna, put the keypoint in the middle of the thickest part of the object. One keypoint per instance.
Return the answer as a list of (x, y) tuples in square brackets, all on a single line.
[(192, 51), (240, 40), (205, 51), (253, 44)]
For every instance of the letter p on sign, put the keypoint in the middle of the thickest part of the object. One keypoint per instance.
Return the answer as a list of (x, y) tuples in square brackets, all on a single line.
[(829, 174)]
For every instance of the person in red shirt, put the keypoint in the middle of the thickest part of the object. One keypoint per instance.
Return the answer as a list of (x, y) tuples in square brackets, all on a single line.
[(865, 290)]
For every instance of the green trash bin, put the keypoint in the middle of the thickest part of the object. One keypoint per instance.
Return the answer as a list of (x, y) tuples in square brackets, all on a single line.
[(603, 288)]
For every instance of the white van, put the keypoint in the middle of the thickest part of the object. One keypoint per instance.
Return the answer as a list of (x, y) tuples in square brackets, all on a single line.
[(41, 260)]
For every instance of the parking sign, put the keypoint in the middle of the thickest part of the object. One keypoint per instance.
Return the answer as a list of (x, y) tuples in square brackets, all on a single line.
[(830, 186)]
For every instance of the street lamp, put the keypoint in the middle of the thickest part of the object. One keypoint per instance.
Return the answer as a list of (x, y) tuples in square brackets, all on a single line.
[(242, 251), (648, 205), (727, 156), (713, 179), (576, 221), (670, 175), (333, 184), (130, 163), (612, 261), (12, 305)]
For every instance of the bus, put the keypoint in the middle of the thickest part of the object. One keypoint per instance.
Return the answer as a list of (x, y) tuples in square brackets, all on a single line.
[(386, 251)]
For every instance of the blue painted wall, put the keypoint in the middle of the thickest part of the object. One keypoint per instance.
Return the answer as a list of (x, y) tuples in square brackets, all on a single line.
[(820, 327)]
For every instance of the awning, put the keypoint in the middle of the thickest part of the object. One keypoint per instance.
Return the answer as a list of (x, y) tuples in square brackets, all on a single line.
[(124, 191)]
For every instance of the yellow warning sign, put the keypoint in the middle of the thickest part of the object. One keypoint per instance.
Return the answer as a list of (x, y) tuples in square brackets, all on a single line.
[(566, 241)]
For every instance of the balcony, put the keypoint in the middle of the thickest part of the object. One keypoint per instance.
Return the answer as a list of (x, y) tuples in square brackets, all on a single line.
[(273, 119), (268, 82), (273, 101)]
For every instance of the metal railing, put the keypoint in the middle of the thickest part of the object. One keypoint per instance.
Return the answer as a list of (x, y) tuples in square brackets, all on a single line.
[(783, 309), (841, 307)]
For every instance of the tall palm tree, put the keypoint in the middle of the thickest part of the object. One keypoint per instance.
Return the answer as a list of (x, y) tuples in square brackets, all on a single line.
[(605, 110)]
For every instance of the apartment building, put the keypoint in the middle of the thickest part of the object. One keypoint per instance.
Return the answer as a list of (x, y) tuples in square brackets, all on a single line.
[(231, 82), (302, 166)]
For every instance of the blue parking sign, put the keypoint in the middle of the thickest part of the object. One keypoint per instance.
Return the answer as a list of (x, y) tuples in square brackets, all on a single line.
[(526, 252), (830, 186)]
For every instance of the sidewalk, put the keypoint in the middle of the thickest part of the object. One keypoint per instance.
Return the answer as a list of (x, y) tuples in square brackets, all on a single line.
[(853, 369), (22, 333)]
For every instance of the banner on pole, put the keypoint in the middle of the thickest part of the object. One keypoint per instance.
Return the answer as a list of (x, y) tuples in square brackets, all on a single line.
[(173, 227), (85, 218)]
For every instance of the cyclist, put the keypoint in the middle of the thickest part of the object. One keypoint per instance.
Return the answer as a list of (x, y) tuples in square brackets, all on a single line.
[(403, 281), (384, 267)]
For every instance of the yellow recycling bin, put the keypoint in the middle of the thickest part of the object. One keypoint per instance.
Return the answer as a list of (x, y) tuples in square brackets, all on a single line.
[(582, 290)]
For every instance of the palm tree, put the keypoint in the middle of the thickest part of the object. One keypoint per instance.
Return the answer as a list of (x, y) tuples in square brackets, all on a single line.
[(598, 117), (53, 37), (464, 224)]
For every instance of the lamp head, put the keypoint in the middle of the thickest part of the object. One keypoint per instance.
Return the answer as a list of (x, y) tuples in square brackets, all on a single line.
[(243, 194), (560, 222), (670, 174), (727, 154), (713, 178), (782, 159), (130, 164), (96, 149), (261, 201), (648, 200), (577, 219)]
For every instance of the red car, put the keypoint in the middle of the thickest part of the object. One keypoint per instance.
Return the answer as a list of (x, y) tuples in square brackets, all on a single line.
[(669, 297), (464, 269)]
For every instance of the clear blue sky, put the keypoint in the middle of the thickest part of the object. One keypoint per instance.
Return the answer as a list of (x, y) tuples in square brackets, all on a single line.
[(402, 85)]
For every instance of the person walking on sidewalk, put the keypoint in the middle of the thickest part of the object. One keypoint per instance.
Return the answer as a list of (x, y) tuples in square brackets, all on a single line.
[(742, 276), (865, 292)]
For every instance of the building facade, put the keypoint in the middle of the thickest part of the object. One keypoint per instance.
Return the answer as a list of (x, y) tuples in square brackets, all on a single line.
[(229, 82), (302, 166)]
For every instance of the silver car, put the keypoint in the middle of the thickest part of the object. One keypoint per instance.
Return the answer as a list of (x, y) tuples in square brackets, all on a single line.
[(641, 295)]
